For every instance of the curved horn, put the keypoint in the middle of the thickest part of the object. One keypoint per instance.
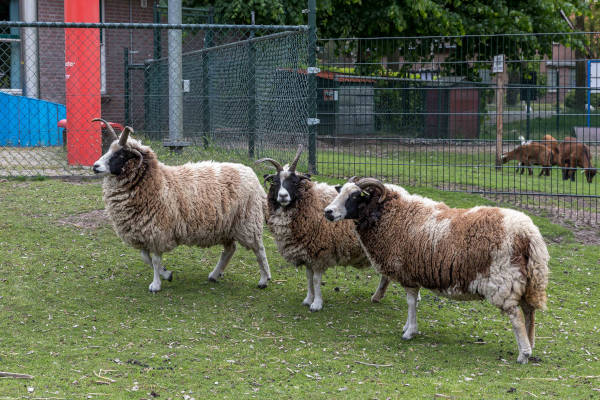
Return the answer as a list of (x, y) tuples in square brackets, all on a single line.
[(292, 167), (124, 135), (137, 153), (370, 182), (354, 179), (112, 132), (275, 163)]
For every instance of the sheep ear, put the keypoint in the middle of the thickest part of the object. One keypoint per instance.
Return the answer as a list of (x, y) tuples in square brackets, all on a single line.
[(338, 188), (268, 177), (304, 176)]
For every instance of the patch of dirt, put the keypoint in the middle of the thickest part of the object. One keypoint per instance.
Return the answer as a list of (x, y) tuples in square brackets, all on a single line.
[(90, 220), (81, 180)]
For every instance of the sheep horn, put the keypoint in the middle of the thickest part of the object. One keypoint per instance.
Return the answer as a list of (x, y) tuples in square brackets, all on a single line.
[(124, 135), (354, 179), (275, 163), (292, 167), (137, 153), (370, 182), (113, 135)]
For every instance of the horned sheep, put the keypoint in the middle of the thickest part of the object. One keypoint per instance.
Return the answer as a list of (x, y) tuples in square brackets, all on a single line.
[(479, 253), (155, 208), (302, 234)]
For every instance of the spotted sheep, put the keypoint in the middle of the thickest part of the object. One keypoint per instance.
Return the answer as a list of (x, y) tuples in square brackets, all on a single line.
[(155, 208), (479, 253), (302, 234)]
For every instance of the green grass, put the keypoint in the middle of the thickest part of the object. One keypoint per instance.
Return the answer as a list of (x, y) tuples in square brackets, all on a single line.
[(75, 302)]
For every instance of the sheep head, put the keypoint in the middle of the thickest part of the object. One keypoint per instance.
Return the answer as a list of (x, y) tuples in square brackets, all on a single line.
[(114, 161), (285, 183), (353, 197)]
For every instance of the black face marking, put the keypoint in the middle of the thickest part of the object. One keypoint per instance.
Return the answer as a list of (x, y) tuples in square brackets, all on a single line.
[(355, 202), (291, 184), (118, 160)]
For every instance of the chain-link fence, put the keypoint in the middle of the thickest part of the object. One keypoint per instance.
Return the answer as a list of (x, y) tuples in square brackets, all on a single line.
[(441, 112), (427, 111), (240, 90)]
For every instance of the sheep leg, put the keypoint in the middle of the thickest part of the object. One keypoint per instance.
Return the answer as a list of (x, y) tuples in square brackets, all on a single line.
[(263, 263), (310, 294), (410, 328), (158, 267), (518, 323), (228, 250), (317, 303), (529, 313), (383, 284), (165, 273)]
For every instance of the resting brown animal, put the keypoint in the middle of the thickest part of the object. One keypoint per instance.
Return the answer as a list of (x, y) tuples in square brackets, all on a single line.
[(531, 154), (575, 155)]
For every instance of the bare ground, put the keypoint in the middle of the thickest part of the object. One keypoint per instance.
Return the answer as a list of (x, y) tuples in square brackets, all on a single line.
[(90, 220)]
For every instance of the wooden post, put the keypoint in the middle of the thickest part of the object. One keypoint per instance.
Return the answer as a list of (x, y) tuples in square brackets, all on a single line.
[(499, 68)]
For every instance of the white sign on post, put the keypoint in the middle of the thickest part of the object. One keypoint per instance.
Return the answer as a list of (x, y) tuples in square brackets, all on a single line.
[(498, 65)]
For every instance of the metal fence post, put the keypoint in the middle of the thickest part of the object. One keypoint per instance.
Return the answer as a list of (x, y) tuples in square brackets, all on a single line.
[(208, 42), (126, 85), (312, 86), (147, 124), (175, 77), (251, 96), (500, 81)]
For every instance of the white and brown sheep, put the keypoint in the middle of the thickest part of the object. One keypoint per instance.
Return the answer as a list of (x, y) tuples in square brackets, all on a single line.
[(302, 234), (155, 208), (479, 253)]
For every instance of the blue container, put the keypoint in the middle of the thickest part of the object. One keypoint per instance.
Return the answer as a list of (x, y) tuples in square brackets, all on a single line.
[(30, 122)]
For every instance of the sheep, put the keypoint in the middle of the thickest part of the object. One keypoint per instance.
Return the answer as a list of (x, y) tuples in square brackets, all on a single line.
[(479, 253), (155, 208), (528, 155), (552, 145), (573, 154), (302, 234)]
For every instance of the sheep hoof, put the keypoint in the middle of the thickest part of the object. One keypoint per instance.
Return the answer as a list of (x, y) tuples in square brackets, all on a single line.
[(170, 277), (262, 285), (523, 357), (375, 298), (211, 279), (153, 288), (315, 307), (307, 302), (409, 334)]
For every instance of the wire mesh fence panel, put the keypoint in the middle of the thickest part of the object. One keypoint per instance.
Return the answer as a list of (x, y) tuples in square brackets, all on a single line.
[(236, 89), (448, 112)]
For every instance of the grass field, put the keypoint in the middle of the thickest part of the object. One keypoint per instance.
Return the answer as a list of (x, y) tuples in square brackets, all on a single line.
[(75, 312)]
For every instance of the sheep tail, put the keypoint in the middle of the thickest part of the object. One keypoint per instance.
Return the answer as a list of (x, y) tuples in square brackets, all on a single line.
[(537, 272)]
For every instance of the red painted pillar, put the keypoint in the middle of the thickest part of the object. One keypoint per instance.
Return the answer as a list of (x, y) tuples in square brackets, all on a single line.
[(82, 70)]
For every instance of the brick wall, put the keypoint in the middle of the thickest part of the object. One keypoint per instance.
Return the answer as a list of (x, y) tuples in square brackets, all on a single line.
[(51, 52)]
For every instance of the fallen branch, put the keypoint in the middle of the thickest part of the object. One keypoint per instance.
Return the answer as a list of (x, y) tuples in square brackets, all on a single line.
[(374, 365), (531, 394), (15, 375)]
